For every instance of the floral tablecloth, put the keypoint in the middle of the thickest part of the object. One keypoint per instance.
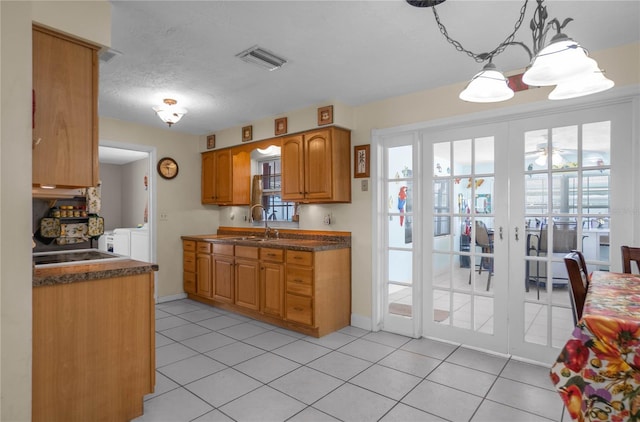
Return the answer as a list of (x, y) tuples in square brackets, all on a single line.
[(598, 371)]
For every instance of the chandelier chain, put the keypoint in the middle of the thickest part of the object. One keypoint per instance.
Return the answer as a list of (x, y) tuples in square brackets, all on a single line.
[(481, 57)]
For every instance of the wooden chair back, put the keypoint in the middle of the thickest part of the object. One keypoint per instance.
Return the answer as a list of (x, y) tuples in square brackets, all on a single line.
[(579, 281), (630, 254)]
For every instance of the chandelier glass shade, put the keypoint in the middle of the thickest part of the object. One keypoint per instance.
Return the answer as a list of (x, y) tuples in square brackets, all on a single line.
[(558, 62), (563, 62), (591, 82), (487, 86), (169, 112)]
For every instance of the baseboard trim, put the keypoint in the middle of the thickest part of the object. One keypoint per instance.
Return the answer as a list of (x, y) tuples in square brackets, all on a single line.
[(170, 298), (360, 321)]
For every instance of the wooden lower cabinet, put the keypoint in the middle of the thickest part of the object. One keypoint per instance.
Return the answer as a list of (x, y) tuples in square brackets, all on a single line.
[(305, 291), (93, 349), (223, 273), (247, 277), (189, 274), (272, 277)]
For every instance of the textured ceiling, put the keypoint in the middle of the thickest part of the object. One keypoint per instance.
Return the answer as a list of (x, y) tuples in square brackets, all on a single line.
[(352, 52)]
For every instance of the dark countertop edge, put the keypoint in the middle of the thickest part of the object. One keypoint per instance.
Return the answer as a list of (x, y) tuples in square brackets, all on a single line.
[(74, 277), (282, 243)]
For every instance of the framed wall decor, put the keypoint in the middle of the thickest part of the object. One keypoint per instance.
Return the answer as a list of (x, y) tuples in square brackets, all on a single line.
[(211, 141), (325, 115), (281, 126), (247, 133), (361, 161)]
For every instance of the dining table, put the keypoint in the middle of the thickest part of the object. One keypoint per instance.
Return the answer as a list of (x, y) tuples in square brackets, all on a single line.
[(597, 373)]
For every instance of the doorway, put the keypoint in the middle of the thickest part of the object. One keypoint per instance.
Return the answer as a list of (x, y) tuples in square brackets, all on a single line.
[(128, 196)]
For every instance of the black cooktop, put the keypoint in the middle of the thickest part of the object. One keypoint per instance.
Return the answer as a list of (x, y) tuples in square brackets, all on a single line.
[(65, 257)]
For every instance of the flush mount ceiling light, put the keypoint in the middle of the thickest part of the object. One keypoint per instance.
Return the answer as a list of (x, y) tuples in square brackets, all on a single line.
[(563, 62), (261, 57), (169, 112)]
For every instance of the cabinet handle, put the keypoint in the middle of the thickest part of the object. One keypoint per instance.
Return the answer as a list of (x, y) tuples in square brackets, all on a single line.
[(271, 254), (297, 257), (297, 280), (297, 308)]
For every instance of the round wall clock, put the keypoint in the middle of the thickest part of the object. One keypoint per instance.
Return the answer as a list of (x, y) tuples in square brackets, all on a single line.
[(167, 168)]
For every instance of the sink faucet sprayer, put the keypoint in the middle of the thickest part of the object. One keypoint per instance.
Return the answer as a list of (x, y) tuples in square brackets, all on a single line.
[(267, 229)]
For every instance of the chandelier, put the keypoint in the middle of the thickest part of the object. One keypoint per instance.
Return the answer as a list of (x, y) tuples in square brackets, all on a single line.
[(563, 62), (169, 112)]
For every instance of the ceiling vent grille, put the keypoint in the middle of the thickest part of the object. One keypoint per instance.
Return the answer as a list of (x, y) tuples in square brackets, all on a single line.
[(106, 54), (261, 57)]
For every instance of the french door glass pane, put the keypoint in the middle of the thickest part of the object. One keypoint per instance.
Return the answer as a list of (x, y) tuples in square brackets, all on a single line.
[(399, 162), (442, 306), (596, 144), (400, 300), (462, 157), (483, 311), (484, 155), (535, 323), (462, 310), (400, 266)]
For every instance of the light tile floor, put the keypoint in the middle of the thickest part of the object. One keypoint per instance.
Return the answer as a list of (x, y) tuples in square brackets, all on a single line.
[(214, 365)]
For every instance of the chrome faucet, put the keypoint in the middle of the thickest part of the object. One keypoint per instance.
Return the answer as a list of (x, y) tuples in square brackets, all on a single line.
[(266, 225)]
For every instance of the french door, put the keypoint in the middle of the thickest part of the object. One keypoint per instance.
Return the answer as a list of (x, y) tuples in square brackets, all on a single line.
[(571, 176), (473, 223)]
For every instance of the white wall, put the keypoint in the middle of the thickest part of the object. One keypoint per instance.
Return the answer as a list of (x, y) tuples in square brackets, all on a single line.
[(111, 195), (134, 197)]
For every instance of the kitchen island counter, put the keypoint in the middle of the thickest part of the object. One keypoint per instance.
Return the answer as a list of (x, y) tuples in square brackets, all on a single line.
[(63, 274)]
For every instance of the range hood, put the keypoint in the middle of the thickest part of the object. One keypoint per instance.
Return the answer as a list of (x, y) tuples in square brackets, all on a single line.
[(42, 193)]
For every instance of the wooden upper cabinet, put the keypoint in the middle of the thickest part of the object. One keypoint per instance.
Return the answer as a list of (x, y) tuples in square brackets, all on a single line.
[(226, 177), (292, 163), (65, 115), (316, 166)]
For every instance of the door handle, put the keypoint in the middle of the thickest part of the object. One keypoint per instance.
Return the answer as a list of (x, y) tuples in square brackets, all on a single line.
[(500, 232), (516, 232)]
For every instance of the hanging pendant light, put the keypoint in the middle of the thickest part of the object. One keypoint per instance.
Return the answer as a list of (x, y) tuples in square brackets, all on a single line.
[(169, 112), (487, 86), (562, 62), (589, 83)]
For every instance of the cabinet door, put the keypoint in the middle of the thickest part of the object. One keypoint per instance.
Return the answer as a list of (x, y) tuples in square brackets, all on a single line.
[(208, 179), (223, 177), (65, 85), (203, 275), (223, 275), (292, 162), (247, 283), (272, 289), (318, 165)]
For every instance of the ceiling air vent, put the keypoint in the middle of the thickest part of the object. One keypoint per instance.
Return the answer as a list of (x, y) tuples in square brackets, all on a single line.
[(106, 54), (261, 57)]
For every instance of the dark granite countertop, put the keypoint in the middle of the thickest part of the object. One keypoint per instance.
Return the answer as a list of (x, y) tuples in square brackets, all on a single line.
[(94, 271), (301, 243)]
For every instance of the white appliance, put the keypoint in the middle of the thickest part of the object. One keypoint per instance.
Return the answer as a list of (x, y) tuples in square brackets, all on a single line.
[(105, 242), (122, 241), (132, 242)]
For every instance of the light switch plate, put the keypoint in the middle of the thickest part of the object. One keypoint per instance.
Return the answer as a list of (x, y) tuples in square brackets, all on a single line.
[(364, 185)]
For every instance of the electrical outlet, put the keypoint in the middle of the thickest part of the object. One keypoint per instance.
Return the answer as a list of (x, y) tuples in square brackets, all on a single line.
[(327, 219), (364, 185), (164, 216)]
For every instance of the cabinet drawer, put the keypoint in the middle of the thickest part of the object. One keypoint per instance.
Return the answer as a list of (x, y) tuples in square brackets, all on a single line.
[(189, 262), (203, 247), (222, 249), (299, 309), (300, 280), (189, 282), (247, 252), (189, 245), (300, 258), (274, 255)]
